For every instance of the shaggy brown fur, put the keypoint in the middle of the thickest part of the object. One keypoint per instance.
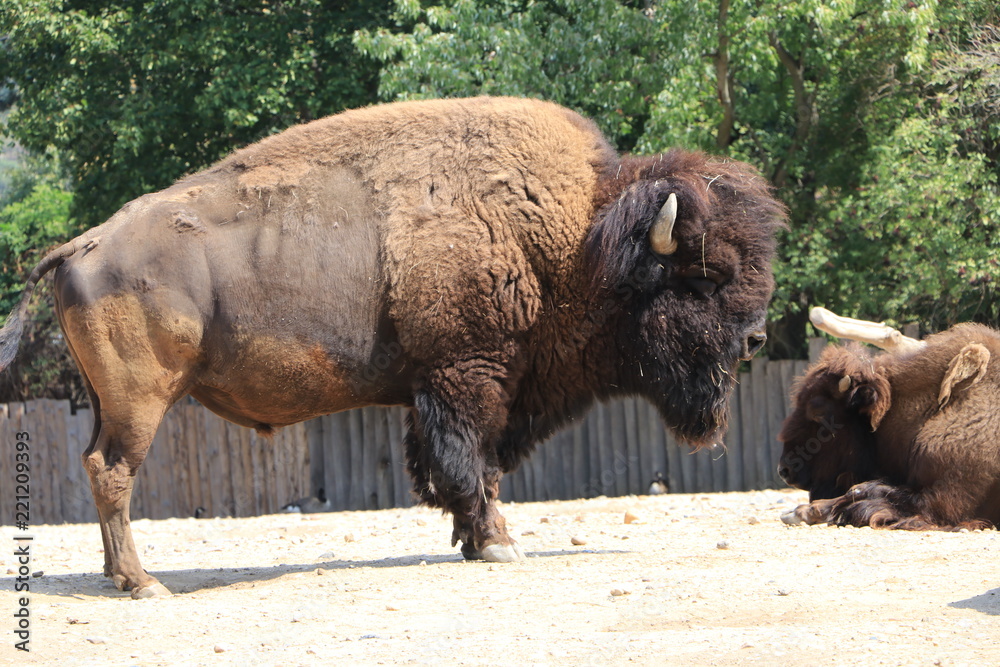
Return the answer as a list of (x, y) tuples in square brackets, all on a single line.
[(484, 261), (909, 441)]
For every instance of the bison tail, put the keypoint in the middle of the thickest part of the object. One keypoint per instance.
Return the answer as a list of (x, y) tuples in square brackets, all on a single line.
[(10, 335)]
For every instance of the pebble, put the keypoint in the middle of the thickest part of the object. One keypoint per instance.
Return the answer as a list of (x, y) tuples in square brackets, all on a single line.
[(222, 648), (391, 607), (783, 592), (753, 521), (631, 518), (722, 544), (578, 541), (617, 592), (320, 571), (349, 537), (544, 519), (327, 555), (97, 640), (39, 573)]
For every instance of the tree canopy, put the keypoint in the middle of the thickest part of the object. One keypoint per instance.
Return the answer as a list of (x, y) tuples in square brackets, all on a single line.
[(877, 120)]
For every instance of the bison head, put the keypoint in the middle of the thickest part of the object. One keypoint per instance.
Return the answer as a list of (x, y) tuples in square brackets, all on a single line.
[(829, 439), (681, 257)]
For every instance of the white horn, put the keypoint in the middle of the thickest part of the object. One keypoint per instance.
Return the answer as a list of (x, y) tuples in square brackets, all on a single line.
[(661, 234), (874, 333)]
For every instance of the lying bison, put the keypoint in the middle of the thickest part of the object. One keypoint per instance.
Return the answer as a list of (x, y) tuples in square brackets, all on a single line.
[(906, 439), (491, 263)]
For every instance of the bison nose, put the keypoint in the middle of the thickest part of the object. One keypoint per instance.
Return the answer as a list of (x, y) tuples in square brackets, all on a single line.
[(784, 472), (752, 345)]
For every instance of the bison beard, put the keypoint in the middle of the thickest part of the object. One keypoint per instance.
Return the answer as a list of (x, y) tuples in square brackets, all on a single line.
[(490, 263)]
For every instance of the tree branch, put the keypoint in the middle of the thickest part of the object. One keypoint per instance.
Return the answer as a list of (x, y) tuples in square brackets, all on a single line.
[(805, 110), (722, 81)]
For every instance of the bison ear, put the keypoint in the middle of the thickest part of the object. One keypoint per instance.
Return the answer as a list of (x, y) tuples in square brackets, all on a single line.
[(871, 396), (966, 369)]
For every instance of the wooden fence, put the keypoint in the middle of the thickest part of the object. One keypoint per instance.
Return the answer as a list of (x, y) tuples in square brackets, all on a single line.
[(199, 460)]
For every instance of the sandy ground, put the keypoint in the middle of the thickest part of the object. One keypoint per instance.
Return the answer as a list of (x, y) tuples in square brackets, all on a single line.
[(700, 580)]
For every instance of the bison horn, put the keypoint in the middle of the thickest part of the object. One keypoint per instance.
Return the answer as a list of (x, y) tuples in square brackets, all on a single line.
[(873, 333), (845, 384), (661, 235)]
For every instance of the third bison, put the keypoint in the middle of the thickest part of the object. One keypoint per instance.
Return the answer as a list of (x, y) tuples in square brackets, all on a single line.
[(903, 439)]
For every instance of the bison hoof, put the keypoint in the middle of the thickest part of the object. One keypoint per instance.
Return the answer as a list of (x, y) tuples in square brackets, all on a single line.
[(792, 518), (502, 553), (155, 590), (120, 581)]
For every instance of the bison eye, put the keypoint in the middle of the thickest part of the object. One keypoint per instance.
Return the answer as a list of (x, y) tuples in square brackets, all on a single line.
[(701, 286), (702, 281)]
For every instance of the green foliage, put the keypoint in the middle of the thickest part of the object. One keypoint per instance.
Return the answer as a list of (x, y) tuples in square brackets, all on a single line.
[(135, 94), (596, 56), (873, 119), (29, 227)]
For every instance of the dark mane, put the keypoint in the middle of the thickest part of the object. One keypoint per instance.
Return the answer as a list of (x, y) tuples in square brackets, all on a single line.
[(631, 192)]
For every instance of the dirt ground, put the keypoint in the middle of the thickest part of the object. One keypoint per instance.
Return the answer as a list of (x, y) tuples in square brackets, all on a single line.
[(698, 580)]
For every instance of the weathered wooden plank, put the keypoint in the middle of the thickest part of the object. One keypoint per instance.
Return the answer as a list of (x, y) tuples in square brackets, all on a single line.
[(734, 442), (633, 462), (301, 464), (357, 442), (657, 443), (8, 448), (222, 475), (77, 439), (246, 439), (143, 503), (400, 478), (237, 475), (259, 446), (762, 422), (581, 461), (674, 472), (314, 441), (619, 448), (338, 449), (383, 461), (748, 453)]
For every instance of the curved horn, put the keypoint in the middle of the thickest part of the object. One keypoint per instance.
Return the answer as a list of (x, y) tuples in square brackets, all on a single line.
[(873, 333), (844, 385), (661, 234)]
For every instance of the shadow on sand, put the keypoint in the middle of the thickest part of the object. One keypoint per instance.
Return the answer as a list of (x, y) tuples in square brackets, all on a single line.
[(82, 586), (987, 603)]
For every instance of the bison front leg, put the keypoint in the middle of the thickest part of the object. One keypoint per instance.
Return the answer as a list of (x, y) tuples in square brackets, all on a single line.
[(484, 533), (453, 462), (818, 511)]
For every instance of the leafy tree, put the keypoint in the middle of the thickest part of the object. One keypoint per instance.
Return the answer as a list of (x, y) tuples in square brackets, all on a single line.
[(133, 95), (599, 57), (28, 227)]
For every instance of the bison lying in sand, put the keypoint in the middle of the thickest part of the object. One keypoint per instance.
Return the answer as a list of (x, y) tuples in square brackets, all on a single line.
[(905, 439), (491, 263)]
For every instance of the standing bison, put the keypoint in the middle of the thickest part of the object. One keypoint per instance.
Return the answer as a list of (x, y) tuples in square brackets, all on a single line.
[(905, 439), (491, 263)]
